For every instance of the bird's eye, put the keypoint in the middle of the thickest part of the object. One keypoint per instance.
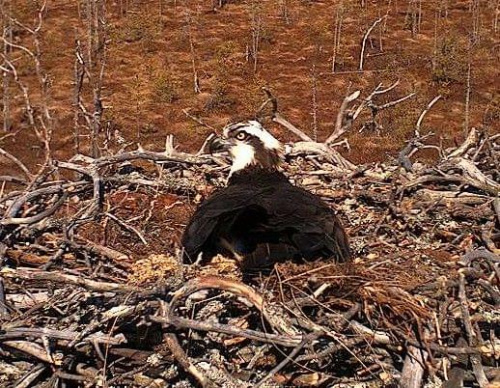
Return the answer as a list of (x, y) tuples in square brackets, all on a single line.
[(241, 136)]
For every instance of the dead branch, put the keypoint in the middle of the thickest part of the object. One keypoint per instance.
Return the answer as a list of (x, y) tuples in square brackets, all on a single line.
[(197, 119), (238, 289), (477, 365), (369, 103), (342, 123), (66, 336), (17, 162), (365, 37), (475, 177), (159, 157), (127, 227), (289, 358), (4, 313), (424, 112), (477, 254), (472, 139), (37, 218), (30, 377), (307, 145), (34, 274), (30, 348), (321, 149), (413, 368), (182, 358), (412, 146)]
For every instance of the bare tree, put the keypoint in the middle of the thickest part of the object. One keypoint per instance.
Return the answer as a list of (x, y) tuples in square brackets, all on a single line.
[(90, 64), (78, 76), (436, 40), (190, 33), (496, 15), (414, 16), (256, 27), (284, 12), (365, 38), (419, 15), (5, 8), (476, 20), (468, 89), (314, 102), (39, 117), (337, 33), (443, 9)]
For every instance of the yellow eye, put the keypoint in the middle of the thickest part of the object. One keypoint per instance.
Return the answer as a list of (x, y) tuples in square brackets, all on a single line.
[(241, 136)]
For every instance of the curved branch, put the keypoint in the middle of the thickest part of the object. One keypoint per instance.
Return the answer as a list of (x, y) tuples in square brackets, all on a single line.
[(17, 162), (424, 112), (40, 216), (237, 288)]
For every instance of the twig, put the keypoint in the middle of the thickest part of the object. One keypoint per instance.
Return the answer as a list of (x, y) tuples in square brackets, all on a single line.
[(477, 366), (30, 348), (176, 349), (289, 358), (18, 163), (197, 119), (127, 227), (4, 312), (239, 289), (60, 335), (496, 207), (182, 358)]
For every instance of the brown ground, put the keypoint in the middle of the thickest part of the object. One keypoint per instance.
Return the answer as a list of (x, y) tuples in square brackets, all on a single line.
[(148, 78)]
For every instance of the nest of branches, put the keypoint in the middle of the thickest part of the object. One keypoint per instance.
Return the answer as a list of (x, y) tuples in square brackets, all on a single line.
[(93, 293)]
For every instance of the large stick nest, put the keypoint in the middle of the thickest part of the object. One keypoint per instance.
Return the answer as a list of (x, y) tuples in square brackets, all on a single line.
[(93, 293)]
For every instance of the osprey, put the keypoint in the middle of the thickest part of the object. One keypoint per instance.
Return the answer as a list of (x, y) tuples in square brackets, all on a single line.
[(259, 207)]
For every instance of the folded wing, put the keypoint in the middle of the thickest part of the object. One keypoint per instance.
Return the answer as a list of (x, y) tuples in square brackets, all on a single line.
[(245, 215)]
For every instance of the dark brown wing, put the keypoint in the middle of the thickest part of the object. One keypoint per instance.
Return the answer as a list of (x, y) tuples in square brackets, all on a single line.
[(265, 209)]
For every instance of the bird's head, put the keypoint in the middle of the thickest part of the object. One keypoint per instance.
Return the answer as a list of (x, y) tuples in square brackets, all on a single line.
[(248, 144)]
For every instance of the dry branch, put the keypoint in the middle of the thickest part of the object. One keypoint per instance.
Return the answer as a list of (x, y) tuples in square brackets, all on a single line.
[(365, 37), (424, 113), (477, 365), (413, 368), (34, 274)]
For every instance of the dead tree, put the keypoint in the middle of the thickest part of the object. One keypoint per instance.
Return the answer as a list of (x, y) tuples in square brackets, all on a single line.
[(256, 29), (346, 116), (90, 64), (192, 50), (38, 113), (365, 38), (5, 8), (337, 33)]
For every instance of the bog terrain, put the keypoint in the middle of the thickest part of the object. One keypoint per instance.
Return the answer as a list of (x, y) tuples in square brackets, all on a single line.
[(391, 113)]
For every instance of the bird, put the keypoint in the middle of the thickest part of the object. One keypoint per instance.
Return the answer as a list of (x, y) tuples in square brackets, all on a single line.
[(260, 211)]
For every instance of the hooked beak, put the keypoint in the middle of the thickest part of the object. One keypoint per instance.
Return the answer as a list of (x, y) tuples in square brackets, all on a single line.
[(218, 144)]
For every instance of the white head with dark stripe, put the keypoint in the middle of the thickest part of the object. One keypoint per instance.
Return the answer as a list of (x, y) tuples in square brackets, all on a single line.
[(248, 144)]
